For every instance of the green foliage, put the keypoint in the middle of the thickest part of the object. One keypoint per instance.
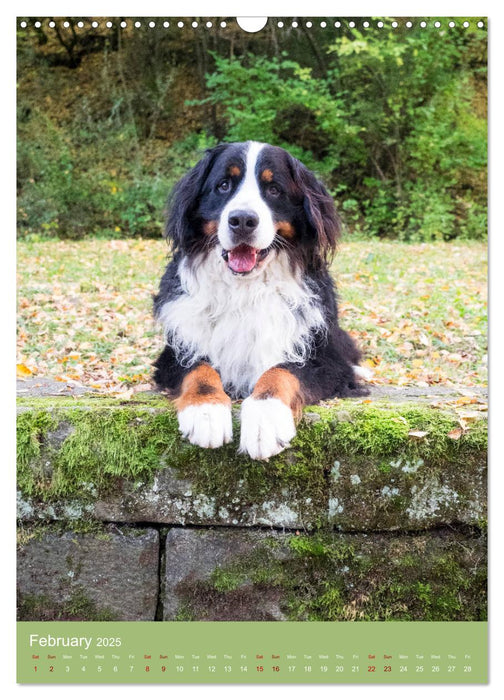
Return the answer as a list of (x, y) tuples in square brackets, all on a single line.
[(278, 101), (394, 122), (73, 189), (391, 127)]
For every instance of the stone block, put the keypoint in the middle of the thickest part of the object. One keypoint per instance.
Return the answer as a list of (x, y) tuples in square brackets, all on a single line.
[(110, 574)]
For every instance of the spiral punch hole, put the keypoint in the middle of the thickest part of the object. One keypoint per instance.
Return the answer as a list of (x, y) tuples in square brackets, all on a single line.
[(256, 24)]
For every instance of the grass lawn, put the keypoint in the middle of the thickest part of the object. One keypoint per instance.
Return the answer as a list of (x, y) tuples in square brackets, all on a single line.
[(418, 311)]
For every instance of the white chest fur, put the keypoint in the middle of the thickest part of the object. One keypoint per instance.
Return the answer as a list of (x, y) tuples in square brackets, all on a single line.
[(242, 325)]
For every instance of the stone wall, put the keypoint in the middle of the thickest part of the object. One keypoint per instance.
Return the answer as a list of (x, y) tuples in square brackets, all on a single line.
[(376, 512)]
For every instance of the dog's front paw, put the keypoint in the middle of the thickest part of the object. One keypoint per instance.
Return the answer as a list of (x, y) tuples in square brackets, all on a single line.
[(206, 424), (267, 427)]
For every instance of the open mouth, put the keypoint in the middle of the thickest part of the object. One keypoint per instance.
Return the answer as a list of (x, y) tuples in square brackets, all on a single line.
[(244, 258)]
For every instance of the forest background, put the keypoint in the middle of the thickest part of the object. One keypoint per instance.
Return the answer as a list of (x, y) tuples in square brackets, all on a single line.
[(393, 120)]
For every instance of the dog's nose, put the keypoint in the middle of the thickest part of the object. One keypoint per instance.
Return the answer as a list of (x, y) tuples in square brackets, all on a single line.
[(243, 223)]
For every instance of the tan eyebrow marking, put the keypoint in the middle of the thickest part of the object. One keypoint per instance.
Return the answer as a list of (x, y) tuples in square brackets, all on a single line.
[(285, 229), (267, 175), (210, 227), (234, 170)]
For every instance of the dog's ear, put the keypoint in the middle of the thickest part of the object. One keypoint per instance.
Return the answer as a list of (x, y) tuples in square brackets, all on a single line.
[(184, 199), (321, 215)]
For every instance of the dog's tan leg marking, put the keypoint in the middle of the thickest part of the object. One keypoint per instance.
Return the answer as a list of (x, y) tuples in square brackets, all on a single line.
[(280, 384)]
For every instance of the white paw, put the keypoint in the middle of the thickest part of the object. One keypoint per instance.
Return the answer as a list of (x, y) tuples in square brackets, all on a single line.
[(206, 424), (363, 372), (267, 427)]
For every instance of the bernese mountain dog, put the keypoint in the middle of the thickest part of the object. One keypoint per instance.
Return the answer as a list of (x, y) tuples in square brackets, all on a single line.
[(247, 303)]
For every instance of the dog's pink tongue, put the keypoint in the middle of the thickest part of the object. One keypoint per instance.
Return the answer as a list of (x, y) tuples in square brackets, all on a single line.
[(242, 259)]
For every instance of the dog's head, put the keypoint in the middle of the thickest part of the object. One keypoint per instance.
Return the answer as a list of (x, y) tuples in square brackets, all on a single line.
[(251, 200)]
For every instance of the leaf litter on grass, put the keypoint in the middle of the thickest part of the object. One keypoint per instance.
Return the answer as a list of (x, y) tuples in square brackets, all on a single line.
[(417, 311)]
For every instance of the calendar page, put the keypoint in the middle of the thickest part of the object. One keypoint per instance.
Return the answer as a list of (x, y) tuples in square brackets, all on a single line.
[(252, 350)]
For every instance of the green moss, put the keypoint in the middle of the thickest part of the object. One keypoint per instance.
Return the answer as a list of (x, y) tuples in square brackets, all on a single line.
[(372, 430), (329, 577), (382, 430), (385, 468), (37, 531), (329, 605), (308, 546), (78, 607), (227, 579), (91, 401), (102, 446), (184, 614), (32, 429), (407, 560), (107, 441), (26, 533)]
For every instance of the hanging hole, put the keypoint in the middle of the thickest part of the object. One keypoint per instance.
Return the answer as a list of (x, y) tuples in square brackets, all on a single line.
[(252, 24)]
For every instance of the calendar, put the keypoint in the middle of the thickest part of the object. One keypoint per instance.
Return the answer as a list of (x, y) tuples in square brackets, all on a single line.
[(252, 653), (254, 452)]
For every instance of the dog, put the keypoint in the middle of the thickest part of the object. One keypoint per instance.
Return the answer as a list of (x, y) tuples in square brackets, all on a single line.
[(247, 304)]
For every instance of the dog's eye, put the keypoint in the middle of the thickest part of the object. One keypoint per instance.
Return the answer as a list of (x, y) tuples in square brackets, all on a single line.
[(224, 186), (273, 190)]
